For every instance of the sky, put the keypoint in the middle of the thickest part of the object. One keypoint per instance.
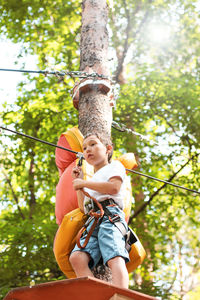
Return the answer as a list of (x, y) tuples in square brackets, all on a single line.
[(9, 60)]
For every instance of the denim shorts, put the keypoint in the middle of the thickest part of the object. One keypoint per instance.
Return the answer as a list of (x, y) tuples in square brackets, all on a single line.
[(106, 240)]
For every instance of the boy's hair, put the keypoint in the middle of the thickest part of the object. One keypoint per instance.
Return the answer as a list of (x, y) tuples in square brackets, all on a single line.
[(106, 141)]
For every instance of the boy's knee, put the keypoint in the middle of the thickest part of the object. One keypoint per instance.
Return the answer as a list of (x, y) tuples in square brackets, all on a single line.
[(78, 258), (116, 261), (73, 258)]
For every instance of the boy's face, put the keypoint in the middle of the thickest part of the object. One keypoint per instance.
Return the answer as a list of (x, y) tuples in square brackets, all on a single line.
[(95, 152)]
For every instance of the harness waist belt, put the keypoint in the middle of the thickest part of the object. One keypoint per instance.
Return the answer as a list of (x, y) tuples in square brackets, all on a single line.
[(106, 202)]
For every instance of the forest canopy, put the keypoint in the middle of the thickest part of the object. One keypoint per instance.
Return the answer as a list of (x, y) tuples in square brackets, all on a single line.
[(154, 50)]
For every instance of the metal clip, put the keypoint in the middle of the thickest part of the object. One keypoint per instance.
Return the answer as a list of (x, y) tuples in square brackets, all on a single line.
[(80, 156), (88, 205)]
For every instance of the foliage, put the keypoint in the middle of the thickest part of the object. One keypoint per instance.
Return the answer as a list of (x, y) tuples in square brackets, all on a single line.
[(159, 98)]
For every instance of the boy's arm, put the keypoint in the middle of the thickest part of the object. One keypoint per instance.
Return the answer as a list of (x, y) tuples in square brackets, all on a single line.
[(110, 187), (78, 173), (80, 197)]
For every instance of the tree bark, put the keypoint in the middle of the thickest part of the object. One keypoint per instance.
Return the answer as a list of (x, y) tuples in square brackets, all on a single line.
[(95, 111)]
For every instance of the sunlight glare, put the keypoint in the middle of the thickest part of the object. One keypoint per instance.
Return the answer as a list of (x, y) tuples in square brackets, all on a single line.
[(159, 34)]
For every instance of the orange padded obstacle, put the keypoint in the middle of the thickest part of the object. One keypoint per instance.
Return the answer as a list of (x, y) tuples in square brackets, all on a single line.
[(85, 288)]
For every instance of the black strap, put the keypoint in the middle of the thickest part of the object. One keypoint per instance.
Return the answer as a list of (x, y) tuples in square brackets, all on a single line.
[(104, 203), (130, 236)]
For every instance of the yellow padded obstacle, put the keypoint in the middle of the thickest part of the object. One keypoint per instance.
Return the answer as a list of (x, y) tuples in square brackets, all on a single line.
[(65, 241)]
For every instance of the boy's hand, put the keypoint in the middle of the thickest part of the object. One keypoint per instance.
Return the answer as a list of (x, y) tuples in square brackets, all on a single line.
[(77, 172), (78, 184)]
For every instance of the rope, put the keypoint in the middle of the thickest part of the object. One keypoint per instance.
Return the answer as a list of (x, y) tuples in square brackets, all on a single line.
[(92, 212), (80, 155)]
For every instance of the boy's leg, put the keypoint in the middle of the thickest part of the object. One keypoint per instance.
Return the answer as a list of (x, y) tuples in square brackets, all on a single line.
[(79, 261), (113, 250), (119, 272)]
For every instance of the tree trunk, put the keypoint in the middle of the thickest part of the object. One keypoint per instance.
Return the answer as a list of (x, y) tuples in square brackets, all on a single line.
[(95, 111)]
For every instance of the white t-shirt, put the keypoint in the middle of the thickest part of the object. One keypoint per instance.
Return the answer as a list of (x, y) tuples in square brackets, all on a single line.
[(115, 168)]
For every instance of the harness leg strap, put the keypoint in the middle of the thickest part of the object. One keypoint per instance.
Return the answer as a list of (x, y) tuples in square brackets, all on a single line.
[(130, 236)]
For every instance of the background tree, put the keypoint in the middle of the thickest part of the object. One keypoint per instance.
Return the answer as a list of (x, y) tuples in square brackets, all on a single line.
[(158, 75)]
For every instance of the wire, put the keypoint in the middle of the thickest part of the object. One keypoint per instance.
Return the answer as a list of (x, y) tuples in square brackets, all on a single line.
[(80, 74), (164, 181), (122, 128), (80, 156), (38, 72), (39, 140)]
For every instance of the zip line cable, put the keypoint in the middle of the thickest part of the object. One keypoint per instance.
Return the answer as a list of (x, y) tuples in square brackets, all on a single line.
[(80, 74), (122, 128), (80, 156), (164, 181), (39, 140), (32, 71)]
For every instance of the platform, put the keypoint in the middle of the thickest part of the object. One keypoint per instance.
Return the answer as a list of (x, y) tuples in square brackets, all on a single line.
[(84, 288)]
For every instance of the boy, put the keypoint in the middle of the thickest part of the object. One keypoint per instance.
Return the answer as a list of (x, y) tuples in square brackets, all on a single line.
[(106, 240)]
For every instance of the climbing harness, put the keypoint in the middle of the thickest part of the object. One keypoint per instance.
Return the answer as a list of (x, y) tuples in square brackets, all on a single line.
[(97, 212)]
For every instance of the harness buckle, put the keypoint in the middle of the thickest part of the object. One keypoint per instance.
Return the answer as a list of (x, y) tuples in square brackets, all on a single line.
[(114, 218)]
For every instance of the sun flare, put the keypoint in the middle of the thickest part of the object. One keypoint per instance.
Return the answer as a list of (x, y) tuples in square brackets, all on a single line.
[(159, 34)]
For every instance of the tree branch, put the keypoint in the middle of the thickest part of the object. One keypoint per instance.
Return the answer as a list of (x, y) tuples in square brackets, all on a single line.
[(144, 205), (13, 193), (182, 138), (172, 282), (121, 56)]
